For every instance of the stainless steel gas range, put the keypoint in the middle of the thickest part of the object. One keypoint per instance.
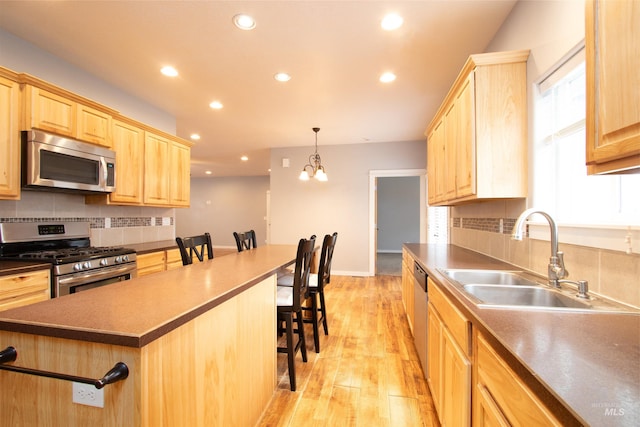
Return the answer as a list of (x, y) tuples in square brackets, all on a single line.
[(75, 264)]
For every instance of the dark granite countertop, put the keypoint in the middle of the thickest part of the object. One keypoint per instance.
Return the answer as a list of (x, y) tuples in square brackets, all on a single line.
[(8, 268), (584, 366)]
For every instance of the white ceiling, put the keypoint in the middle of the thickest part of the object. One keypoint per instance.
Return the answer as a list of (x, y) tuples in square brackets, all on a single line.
[(334, 50)]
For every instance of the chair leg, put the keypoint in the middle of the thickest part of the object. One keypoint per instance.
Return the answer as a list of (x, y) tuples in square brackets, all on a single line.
[(301, 340), (323, 309), (314, 321), (291, 352)]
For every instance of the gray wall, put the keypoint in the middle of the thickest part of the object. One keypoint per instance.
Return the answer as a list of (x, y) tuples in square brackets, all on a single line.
[(223, 205), (398, 212), (342, 204)]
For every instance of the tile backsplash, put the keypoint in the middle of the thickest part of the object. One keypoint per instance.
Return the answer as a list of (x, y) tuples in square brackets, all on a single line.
[(613, 274), (110, 225)]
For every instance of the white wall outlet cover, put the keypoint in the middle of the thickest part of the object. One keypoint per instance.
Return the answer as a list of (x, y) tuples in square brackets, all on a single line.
[(285, 162), (166, 220), (88, 394)]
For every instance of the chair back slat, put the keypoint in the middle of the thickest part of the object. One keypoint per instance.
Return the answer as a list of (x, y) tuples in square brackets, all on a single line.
[(195, 245), (245, 240), (302, 271), (324, 268)]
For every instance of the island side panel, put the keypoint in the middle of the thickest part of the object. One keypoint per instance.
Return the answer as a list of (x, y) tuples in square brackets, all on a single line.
[(29, 400), (218, 369)]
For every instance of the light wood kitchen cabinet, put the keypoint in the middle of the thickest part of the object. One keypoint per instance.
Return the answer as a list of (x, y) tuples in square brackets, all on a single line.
[(18, 290), (180, 174), (162, 260), (55, 112), (152, 262), (167, 173), (478, 138), (407, 287), (449, 359), (174, 259), (613, 86), (500, 396), (9, 137)]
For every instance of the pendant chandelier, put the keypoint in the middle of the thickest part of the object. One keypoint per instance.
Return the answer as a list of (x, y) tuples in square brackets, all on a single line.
[(314, 168)]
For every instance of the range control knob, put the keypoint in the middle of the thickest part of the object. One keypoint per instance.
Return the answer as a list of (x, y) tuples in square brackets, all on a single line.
[(118, 260), (125, 258), (104, 262), (77, 267), (86, 264)]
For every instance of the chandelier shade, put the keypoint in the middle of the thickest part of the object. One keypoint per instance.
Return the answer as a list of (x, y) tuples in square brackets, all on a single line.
[(314, 168)]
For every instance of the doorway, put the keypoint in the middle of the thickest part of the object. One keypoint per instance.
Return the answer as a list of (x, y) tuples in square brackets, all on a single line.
[(396, 216)]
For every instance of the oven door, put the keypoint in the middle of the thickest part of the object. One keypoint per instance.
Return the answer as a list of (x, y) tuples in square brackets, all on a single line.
[(83, 281)]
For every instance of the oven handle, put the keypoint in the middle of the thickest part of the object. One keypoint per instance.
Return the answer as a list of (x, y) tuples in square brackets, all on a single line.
[(95, 276)]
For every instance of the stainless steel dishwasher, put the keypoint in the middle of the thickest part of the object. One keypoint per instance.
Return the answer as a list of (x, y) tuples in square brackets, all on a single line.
[(420, 298)]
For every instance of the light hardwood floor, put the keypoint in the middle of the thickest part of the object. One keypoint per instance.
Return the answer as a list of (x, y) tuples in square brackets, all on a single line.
[(367, 373)]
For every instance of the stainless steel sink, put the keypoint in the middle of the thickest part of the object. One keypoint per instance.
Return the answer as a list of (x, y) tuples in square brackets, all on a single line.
[(528, 296), (519, 290), (490, 277)]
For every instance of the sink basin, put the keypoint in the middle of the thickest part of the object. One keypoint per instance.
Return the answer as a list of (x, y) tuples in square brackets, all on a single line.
[(529, 296), (490, 277)]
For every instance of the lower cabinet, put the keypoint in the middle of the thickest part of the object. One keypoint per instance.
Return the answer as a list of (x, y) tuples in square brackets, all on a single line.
[(500, 396), (407, 287), (17, 290), (174, 259), (449, 359), (152, 262)]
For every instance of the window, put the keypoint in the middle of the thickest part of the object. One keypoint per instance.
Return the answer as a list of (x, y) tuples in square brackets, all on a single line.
[(561, 185)]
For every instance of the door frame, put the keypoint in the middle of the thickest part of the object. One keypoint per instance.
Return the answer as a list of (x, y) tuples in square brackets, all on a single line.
[(373, 206)]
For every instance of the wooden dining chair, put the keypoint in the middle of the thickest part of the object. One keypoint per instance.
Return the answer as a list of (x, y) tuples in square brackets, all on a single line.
[(289, 308), (245, 240), (195, 245)]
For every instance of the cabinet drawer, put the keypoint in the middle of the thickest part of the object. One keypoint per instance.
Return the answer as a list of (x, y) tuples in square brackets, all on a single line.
[(150, 260), (457, 324), (514, 399), (23, 289), (174, 259)]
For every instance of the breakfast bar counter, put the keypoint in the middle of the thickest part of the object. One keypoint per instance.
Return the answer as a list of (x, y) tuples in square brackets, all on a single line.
[(188, 337)]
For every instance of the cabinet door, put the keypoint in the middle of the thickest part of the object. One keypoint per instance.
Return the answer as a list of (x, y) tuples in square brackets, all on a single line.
[(436, 164), (180, 181), (51, 112), (128, 143), (93, 126), (156, 169), (152, 262), (174, 259), (466, 140), (613, 85), (456, 380), (18, 290), (487, 413), (451, 135), (9, 140), (434, 357)]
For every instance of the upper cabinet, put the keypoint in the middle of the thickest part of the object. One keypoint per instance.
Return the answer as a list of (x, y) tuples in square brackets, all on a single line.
[(167, 171), (9, 136), (55, 110), (477, 142), (613, 86)]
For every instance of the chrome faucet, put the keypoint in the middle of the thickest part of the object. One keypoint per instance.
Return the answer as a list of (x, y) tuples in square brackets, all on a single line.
[(556, 270)]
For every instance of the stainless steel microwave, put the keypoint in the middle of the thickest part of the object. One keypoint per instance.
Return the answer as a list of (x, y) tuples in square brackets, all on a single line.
[(54, 162)]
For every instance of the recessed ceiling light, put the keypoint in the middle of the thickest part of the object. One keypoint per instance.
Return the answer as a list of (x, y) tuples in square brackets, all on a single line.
[(391, 22), (244, 158), (208, 172), (169, 71), (244, 22), (282, 77), (216, 105), (387, 77), (195, 136)]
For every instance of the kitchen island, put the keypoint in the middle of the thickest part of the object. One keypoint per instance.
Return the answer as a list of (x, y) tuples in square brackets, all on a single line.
[(199, 343), (584, 367)]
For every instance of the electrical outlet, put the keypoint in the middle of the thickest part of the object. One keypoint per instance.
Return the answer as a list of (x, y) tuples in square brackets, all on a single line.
[(87, 394)]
